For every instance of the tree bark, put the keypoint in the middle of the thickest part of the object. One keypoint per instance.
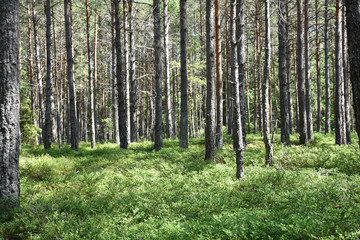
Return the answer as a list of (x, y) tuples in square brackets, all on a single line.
[(237, 130), (70, 77), (353, 28), (184, 119), (127, 73), (9, 104), (219, 78), (265, 87), (302, 126), (326, 67), (49, 83), (283, 81), (210, 81), (158, 79), (318, 68)]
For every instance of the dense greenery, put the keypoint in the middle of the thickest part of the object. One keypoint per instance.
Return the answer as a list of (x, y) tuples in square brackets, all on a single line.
[(311, 193)]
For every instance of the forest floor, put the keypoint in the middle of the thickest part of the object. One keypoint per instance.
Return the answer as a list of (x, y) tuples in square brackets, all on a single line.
[(311, 193)]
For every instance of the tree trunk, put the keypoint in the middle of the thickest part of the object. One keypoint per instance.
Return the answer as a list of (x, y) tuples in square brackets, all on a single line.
[(326, 67), (158, 79), (318, 68), (283, 81), (70, 77), (339, 79), (288, 67), (37, 70), (353, 28), (309, 120), (347, 107), (237, 130), (210, 80), (91, 80), (302, 126), (9, 104), (219, 79), (134, 95), (126, 85), (184, 119), (49, 83), (266, 110)]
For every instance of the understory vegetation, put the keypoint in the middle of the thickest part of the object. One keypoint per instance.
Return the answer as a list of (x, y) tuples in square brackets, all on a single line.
[(311, 192)]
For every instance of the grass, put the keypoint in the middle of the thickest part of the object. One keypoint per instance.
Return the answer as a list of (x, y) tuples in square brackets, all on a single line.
[(311, 193)]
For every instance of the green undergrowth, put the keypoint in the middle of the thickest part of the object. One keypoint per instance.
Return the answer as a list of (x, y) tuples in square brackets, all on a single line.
[(311, 192)]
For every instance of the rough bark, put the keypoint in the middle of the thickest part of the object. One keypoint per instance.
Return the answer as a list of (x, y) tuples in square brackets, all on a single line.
[(184, 135), (210, 81), (265, 88), (49, 83), (283, 81), (353, 28), (288, 67), (347, 107), (237, 127), (318, 68), (70, 77), (9, 104), (126, 84), (219, 78), (302, 126), (158, 79), (326, 68)]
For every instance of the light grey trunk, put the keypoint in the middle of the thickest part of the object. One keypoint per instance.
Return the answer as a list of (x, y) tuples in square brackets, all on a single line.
[(210, 81), (9, 104), (326, 67), (127, 73)]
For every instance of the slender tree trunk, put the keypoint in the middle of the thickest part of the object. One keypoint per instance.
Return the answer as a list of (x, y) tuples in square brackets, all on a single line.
[(134, 95), (326, 67), (174, 129), (283, 81), (347, 107), (184, 135), (339, 79), (302, 127), (210, 76), (9, 104), (240, 32), (127, 71), (318, 68), (266, 111), (91, 81), (237, 131), (310, 130), (70, 77), (219, 79), (288, 67), (37, 70), (353, 27), (49, 84), (158, 79)]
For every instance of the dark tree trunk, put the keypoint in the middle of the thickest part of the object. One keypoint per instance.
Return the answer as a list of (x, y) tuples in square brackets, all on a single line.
[(91, 80), (219, 79), (240, 35), (158, 79), (49, 83), (302, 126), (283, 82), (134, 95), (326, 67), (288, 67), (184, 135), (237, 130), (70, 77), (339, 80), (124, 141), (9, 104), (318, 68), (210, 81), (265, 88), (353, 28)]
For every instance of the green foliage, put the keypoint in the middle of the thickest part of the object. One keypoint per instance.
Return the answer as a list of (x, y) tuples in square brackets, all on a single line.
[(110, 193), (29, 132)]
